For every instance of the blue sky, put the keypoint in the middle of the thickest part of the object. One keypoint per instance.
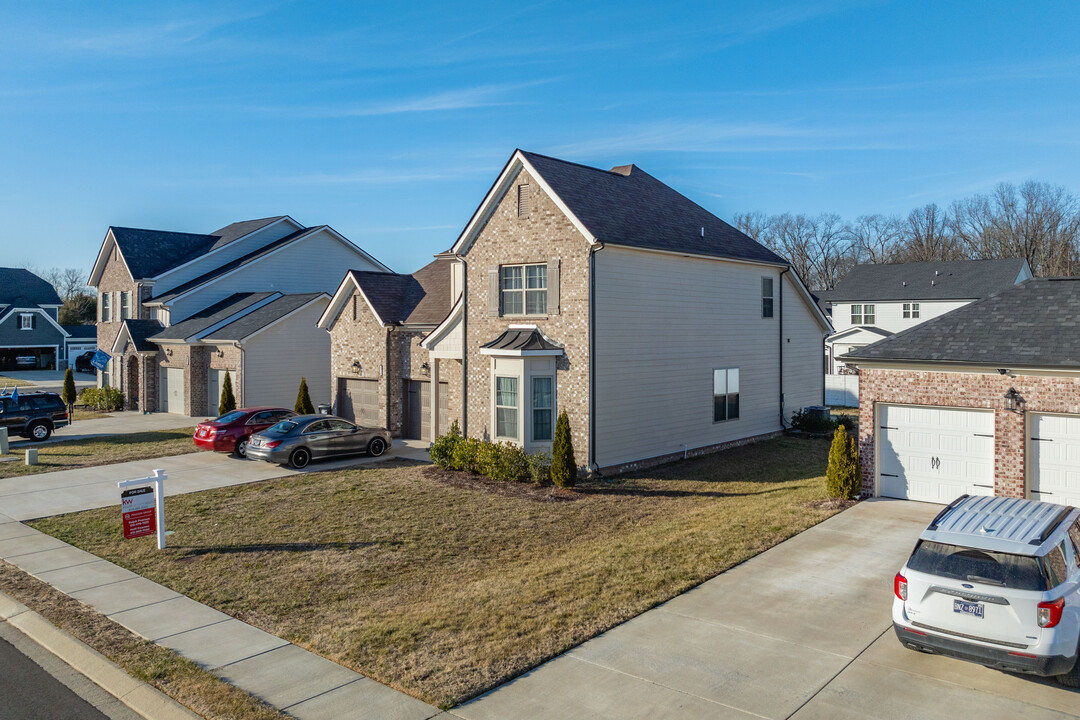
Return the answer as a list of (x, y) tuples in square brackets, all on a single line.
[(389, 121)]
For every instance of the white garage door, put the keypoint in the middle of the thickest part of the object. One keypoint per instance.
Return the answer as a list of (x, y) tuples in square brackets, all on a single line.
[(934, 454), (1054, 464), (171, 392)]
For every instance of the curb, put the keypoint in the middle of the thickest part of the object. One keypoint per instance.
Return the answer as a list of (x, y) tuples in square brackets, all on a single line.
[(137, 695)]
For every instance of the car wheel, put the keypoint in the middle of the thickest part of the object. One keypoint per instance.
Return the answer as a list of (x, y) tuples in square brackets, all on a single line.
[(241, 447), (39, 431), (376, 447), (300, 458)]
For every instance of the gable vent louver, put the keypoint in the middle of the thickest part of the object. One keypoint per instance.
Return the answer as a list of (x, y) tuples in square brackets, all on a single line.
[(524, 200)]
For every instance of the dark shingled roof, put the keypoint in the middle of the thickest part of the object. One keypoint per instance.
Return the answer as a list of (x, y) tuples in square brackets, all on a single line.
[(237, 230), (422, 298), (256, 320), (521, 339), (1035, 324), (233, 264), (148, 253), (141, 331), (81, 332), (22, 288), (212, 315), (958, 280), (627, 206)]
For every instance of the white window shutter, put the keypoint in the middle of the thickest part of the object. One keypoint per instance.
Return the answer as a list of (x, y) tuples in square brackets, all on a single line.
[(493, 291), (553, 286)]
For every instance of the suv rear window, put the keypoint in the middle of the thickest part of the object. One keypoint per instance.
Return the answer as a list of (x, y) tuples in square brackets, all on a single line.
[(1019, 572), (45, 402)]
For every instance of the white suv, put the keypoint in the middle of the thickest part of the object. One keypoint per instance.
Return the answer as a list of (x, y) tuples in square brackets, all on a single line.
[(996, 581)]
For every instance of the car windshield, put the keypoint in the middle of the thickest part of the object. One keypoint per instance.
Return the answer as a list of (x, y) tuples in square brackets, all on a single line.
[(282, 428), (229, 417), (1019, 572)]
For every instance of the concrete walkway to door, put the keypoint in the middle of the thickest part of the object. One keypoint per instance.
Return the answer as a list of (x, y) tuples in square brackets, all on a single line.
[(801, 631)]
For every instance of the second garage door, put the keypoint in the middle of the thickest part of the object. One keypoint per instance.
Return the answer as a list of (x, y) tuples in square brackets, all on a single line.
[(358, 400), (934, 454), (1054, 458)]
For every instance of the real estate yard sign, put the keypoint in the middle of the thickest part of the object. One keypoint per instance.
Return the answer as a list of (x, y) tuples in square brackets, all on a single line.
[(137, 505)]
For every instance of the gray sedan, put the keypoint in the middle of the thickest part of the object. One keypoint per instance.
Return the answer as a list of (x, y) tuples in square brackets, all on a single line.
[(299, 440)]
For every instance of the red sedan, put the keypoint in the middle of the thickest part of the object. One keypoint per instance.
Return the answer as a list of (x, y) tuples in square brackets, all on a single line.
[(230, 432)]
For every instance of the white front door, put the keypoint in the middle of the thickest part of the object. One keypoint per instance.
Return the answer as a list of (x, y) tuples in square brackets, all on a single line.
[(934, 454), (171, 392), (1054, 458)]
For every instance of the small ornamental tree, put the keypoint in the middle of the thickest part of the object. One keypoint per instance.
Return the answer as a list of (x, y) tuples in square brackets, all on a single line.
[(844, 476), (303, 400), (563, 465), (228, 400), (68, 396)]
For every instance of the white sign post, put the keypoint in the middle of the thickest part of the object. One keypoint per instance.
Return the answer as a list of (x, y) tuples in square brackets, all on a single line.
[(159, 501)]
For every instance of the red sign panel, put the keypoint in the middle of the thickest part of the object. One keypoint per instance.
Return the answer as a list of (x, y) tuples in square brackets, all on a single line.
[(137, 505)]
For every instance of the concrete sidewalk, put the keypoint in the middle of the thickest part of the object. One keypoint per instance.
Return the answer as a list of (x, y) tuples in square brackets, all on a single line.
[(27, 497), (288, 677)]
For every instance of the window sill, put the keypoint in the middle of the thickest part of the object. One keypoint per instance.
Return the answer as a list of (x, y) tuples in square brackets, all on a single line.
[(526, 317)]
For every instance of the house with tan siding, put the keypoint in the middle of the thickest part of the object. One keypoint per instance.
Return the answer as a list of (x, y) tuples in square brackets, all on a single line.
[(180, 311), (661, 330)]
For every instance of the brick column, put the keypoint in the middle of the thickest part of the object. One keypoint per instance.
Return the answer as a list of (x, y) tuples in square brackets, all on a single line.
[(1009, 450)]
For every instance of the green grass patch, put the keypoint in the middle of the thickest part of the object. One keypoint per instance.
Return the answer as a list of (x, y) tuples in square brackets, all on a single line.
[(70, 454)]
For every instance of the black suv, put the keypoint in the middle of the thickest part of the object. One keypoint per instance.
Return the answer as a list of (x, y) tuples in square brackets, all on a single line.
[(83, 364), (33, 415)]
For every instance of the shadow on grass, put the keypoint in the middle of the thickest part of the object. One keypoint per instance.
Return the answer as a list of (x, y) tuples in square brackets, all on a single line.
[(193, 552)]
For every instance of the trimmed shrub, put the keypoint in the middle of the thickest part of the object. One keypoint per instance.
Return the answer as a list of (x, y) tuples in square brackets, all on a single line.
[(68, 396), (540, 467), (228, 400), (563, 465), (106, 399), (487, 458), (844, 477), (442, 449), (303, 400), (465, 454), (511, 463)]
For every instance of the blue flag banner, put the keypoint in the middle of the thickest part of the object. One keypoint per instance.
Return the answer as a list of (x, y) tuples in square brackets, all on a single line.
[(100, 359), (15, 394)]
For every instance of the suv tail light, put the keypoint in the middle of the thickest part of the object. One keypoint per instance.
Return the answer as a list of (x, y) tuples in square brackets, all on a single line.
[(1049, 613), (900, 587)]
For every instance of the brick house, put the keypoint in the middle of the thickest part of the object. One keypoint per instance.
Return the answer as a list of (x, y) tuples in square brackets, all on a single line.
[(983, 400), (661, 330), (177, 311)]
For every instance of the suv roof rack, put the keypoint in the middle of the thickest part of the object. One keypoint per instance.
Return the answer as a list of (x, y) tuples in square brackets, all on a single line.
[(945, 511), (1052, 526)]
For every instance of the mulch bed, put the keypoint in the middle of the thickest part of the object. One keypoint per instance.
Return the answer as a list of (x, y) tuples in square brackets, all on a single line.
[(832, 504)]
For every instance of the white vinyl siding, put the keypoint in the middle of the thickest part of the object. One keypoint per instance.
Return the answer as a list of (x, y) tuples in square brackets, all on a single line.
[(662, 324), (313, 264), (890, 315), (276, 359), (804, 363)]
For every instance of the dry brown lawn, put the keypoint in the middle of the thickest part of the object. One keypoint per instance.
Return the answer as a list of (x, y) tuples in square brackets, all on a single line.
[(444, 585), (70, 454), (10, 382)]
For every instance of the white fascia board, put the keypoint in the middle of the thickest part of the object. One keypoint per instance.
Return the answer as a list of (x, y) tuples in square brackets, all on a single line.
[(446, 326), (337, 302), (321, 297), (12, 312), (102, 258), (233, 318), (117, 346), (498, 189), (855, 331), (202, 257)]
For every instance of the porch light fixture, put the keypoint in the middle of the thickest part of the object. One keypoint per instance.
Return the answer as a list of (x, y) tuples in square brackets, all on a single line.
[(356, 367), (425, 368), (1013, 400), (168, 351), (221, 353)]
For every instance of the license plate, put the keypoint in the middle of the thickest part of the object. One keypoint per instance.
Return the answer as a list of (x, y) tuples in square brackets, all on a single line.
[(968, 608)]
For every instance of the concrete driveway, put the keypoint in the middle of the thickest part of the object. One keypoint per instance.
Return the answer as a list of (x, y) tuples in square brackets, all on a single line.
[(801, 631)]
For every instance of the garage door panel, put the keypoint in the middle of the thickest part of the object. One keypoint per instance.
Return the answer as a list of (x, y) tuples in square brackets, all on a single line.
[(935, 454), (1054, 458)]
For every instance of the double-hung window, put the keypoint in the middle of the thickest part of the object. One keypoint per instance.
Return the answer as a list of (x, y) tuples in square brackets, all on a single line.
[(725, 394), (911, 310), (506, 407), (856, 314), (543, 400), (125, 305), (868, 314), (26, 321), (106, 307), (523, 289), (766, 297)]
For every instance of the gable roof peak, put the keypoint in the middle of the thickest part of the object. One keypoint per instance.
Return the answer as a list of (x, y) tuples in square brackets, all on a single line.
[(623, 169)]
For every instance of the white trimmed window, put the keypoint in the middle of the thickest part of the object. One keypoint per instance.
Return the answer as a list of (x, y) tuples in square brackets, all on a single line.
[(125, 305), (725, 394), (766, 297), (523, 289), (106, 307), (543, 406), (911, 310), (862, 314), (868, 314), (26, 321), (506, 407)]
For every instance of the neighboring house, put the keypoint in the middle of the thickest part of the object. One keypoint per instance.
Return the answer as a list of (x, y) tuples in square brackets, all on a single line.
[(30, 336), (874, 301), (80, 339), (661, 330), (177, 311), (984, 400)]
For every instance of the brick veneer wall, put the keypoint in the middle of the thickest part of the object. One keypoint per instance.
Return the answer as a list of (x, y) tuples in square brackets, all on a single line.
[(115, 277), (967, 390), (364, 339), (508, 239), (230, 359)]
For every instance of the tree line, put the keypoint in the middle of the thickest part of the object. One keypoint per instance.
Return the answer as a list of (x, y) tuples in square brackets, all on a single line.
[(1036, 221), (79, 301)]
